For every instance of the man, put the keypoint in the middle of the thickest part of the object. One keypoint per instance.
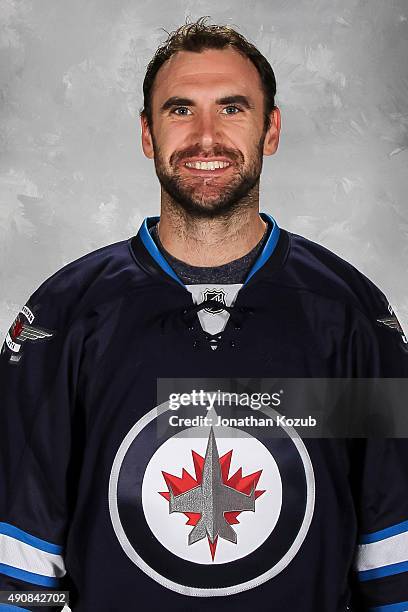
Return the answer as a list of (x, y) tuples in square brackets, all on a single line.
[(122, 498)]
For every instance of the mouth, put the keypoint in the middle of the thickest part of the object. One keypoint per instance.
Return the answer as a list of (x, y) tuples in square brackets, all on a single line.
[(214, 167)]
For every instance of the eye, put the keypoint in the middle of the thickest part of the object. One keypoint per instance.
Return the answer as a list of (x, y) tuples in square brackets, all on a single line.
[(180, 108), (236, 108)]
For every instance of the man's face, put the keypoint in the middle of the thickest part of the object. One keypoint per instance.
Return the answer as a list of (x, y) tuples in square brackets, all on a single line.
[(208, 111)]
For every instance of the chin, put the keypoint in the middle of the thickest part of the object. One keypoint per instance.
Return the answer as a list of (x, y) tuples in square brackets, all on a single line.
[(208, 210)]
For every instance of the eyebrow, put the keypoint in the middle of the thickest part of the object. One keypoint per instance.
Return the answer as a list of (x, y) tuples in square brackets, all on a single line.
[(236, 99)]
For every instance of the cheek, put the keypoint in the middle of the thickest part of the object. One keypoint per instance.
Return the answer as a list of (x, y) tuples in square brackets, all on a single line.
[(243, 137), (172, 139)]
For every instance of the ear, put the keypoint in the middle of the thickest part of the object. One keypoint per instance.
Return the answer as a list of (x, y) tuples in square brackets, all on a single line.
[(272, 135), (147, 142)]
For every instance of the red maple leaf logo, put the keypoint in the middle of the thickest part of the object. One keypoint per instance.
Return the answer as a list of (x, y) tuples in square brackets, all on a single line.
[(16, 328), (244, 484)]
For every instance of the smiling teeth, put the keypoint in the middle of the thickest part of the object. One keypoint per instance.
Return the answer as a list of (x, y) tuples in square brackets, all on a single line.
[(207, 165)]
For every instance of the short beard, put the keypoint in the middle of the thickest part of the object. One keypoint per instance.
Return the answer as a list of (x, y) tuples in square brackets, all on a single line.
[(232, 198)]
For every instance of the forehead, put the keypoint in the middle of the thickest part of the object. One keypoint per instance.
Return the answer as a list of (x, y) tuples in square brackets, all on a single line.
[(212, 68)]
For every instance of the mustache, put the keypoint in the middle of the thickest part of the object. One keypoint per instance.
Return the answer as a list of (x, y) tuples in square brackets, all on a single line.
[(232, 154)]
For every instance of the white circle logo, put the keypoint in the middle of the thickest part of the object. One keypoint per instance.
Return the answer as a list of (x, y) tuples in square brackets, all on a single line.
[(256, 471), (213, 513)]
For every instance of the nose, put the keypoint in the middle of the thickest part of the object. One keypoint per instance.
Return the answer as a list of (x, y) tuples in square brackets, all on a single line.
[(207, 130)]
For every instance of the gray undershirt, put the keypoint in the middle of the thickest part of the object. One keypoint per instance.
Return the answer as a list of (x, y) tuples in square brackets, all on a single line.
[(232, 272)]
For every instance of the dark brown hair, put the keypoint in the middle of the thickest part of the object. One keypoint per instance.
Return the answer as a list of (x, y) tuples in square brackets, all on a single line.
[(197, 37)]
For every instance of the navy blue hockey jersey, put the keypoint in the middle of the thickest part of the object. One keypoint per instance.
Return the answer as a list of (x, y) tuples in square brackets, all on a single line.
[(113, 493)]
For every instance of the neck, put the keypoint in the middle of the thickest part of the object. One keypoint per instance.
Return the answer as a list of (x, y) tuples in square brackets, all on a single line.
[(211, 242)]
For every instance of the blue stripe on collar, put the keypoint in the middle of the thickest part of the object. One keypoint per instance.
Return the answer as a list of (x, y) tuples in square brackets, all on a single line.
[(154, 251), (268, 248)]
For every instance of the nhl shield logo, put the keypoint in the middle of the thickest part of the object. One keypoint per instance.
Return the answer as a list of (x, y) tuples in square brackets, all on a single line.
[(216, 295), (210, 512)]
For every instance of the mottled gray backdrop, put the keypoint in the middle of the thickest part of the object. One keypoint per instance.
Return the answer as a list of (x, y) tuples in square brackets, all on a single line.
[(73, 175)]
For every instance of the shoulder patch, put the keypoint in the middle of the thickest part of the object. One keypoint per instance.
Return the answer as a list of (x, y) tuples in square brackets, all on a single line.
[(22, 330), (391, 322)]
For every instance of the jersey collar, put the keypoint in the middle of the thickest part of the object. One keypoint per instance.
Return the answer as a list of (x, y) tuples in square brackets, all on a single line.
[(150, 246)]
